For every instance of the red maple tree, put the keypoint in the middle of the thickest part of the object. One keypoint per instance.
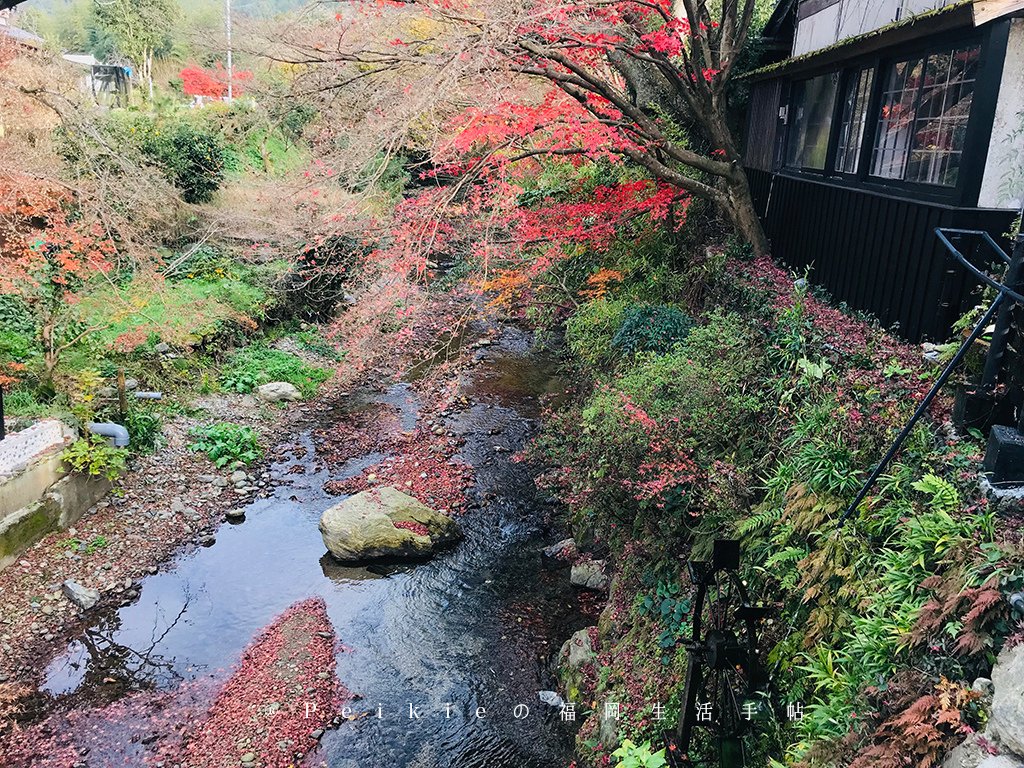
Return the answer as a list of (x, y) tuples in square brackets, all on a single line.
[(213, 82), (626, 83), (48, 252)]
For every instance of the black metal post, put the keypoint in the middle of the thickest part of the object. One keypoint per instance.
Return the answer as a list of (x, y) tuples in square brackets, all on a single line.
[(3, 423), (1014, 280), (922, 407)]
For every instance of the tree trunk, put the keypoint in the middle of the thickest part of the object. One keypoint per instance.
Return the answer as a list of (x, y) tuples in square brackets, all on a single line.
[(149, 72), (743, 214)]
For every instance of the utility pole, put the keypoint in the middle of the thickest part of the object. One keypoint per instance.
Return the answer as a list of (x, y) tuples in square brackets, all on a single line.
[(227, 29)]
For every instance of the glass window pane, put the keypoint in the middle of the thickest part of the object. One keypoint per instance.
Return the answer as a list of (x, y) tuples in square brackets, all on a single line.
[(810, 112), (855, 110), (926, 104)]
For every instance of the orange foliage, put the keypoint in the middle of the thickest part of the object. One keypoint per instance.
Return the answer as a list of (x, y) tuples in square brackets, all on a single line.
[(599, 282), (920, 736)]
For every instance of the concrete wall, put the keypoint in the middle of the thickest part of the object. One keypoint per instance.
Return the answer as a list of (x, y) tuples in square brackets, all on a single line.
[(36, 494), (1003, 183)]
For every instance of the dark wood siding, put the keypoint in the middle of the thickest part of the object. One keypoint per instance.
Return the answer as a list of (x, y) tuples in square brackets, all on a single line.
[(762, 123), (876, 253)]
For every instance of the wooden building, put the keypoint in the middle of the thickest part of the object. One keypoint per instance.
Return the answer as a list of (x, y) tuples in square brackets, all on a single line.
[(889, 118)]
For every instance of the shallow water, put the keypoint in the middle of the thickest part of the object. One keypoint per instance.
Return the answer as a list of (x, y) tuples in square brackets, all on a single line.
[(473, 628)]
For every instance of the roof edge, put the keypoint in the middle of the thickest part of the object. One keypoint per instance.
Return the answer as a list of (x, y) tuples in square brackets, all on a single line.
[(964, 13)]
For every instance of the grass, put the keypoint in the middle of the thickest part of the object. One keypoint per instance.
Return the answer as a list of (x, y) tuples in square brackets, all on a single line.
[(179, 312), (259, 364)]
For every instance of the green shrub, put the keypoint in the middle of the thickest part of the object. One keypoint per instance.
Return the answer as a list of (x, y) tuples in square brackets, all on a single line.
[(312, 340), (712, 383), (639, 756), (226, 443), (188, 152), (651, 328), (93, 455), (258, 364), (589, 332), (145, 428), (192, 158), (22, 402), (15, 317)]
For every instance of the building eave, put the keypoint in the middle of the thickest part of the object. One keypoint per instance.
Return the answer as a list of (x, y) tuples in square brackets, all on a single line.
[(966, 13)]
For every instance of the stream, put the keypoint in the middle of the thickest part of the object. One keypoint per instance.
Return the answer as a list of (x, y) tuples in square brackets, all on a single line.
[(473, 628)]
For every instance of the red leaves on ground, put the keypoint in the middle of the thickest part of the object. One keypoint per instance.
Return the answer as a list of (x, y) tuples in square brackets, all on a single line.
[(283, 690), (435, 480), (417, 528)]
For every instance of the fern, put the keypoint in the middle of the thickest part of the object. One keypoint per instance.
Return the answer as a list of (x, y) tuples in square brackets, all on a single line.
[(760, 522), (787, 556), (944, 496)]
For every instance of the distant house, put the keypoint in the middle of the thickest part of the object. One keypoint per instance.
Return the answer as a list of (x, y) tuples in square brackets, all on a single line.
[(21, 37), (888, 118), (109, 84)]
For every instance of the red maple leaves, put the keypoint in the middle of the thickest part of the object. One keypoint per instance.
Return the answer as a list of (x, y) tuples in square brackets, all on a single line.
[(213, 83)]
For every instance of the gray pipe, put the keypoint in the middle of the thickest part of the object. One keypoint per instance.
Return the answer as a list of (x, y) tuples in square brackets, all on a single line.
[(109, 429), (148, 395)]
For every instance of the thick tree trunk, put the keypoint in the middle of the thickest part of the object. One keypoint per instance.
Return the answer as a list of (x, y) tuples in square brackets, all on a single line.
[(743, 214)]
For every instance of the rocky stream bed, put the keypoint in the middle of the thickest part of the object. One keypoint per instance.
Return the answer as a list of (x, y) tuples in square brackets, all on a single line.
[(252, 646)]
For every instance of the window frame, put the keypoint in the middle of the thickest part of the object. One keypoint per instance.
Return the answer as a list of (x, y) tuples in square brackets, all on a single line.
[(823, 171), (850, 75), (992, 40)]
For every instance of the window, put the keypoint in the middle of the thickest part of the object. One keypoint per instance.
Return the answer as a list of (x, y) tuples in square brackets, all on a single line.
[(855, 112), (811, 105), (926, 103)]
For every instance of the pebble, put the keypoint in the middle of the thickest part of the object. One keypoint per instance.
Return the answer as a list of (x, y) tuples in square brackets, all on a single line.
[(248, 758)]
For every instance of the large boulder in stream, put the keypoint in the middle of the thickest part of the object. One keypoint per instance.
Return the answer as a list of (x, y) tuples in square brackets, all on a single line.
[(384, 523)]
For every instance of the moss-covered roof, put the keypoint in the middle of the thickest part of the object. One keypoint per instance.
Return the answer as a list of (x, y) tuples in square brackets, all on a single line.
[(939, 19)]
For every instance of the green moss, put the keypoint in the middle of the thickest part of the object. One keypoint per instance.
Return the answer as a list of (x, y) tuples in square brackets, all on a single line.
[(19, 534)]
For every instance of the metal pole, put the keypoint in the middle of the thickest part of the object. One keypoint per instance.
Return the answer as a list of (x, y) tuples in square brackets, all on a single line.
[(3, 424), (122, 400), (922, 407), (227, 28), (1004, 322)]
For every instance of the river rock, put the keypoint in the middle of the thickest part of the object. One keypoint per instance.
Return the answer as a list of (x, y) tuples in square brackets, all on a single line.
[(559, 555), (575, 663), (1006, 718), (552, 699), (363, 527), (577, 650), (1000, 761), (83, 597), (590, 575), (278, 391), (968, 754)]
